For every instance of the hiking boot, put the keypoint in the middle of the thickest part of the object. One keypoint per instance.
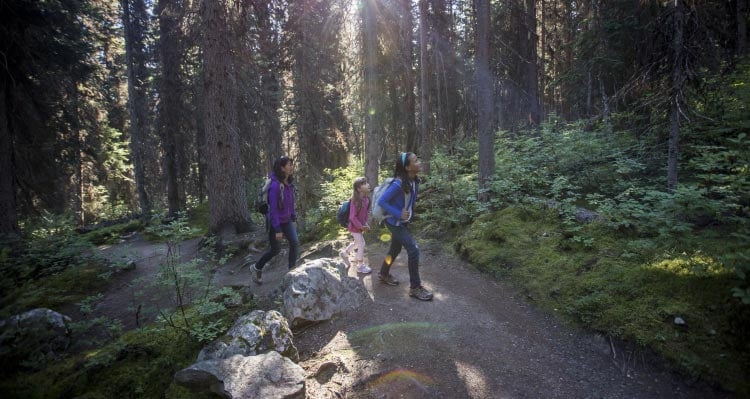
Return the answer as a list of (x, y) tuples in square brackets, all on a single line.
[(420, 293), (387, 280), (345, 257), (257, 275), (362, 268)]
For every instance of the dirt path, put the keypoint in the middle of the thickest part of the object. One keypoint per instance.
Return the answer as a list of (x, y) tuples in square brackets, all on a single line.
[(477, 339)]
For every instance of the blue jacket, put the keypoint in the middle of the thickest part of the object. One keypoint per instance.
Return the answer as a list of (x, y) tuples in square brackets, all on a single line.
[(393, 200), (280, 210)]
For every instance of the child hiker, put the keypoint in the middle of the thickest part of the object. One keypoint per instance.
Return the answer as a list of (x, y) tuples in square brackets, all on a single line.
[(359, 210), (398, 203)]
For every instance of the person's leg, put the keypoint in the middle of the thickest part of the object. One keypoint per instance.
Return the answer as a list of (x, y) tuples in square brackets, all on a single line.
[(290, 232), (412, 249), (273, 251), (345, 254), (360, 241), (395, 249)]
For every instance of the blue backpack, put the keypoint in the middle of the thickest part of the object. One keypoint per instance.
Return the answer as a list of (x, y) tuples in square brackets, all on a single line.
[(342, 216)]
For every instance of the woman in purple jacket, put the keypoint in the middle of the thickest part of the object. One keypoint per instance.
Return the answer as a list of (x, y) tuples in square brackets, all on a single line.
[(281, 216)]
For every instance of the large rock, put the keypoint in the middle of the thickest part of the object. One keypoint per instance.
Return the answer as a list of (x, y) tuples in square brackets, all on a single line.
[(319, 289), (31, 338), (254, 333), (264, 376)]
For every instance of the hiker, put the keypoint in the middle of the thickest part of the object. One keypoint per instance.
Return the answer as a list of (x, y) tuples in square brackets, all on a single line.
[(359, 211), (398, 202), (281, 216)]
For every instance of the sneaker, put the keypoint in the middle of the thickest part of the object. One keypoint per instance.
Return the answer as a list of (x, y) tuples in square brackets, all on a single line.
[(362, 268), (345, 257), (388, 280), (257, 275), (420, 293)]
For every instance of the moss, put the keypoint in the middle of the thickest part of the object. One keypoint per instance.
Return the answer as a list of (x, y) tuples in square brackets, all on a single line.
[(67, 287), (630, 291), (110, 234)]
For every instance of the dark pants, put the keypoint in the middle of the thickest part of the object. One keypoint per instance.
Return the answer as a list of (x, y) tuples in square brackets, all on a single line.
[(400, 237), (290, 232)]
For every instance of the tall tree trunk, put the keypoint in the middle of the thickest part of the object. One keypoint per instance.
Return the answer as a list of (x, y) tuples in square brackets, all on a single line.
[(169, 92), (531, 74), (226, 197), (741, 27), (408, 81), (75, 128), (484, 101), (678, 83), (424, 89), (606, 113), (134, 17), (372, 105), (8, 212)]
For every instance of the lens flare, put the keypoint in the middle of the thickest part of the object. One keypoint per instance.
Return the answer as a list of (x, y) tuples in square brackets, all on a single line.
[(401, 375)]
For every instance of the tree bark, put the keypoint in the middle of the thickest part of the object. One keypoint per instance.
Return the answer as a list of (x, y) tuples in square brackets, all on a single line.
[(678, 83), (741, 27), (484, 100), (133, 19), (8, 211), (226, 197), (408, 79), (531, 73), (169, 103), (424, 89), (372, 106)]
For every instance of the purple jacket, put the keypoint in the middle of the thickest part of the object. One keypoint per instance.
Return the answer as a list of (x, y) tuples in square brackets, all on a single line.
[(280, 209), (358, 217)]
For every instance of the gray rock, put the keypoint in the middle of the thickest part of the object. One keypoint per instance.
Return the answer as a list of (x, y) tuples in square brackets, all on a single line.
[(33, 337), (679, 321), (254, 333), (264, 376), (318, 290)]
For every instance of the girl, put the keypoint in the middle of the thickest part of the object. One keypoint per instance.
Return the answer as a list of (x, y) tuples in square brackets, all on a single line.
[(281, 216), (359, 210), (398, 203)]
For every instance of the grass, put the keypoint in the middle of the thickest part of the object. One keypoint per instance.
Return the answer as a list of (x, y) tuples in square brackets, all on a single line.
[(633, 292)]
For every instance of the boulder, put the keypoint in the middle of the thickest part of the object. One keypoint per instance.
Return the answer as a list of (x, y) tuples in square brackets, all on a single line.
[(254, 333), (269, 375), (319, 289), (29, 339)]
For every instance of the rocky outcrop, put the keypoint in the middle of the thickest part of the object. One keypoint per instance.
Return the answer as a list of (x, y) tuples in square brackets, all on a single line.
[(319, 289), (254, 333), (269, 375), (31, 338)]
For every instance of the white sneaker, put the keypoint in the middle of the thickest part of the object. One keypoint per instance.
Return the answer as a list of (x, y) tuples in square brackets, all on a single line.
[(362, 268), (345, 257)]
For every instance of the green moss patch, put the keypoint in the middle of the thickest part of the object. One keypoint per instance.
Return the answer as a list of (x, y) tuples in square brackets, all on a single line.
[(631, 289)]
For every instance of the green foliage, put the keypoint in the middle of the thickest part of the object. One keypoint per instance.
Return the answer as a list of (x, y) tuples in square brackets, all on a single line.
[(140, 364), (634, 298), (190, 280), (54, 266), (335, 189)]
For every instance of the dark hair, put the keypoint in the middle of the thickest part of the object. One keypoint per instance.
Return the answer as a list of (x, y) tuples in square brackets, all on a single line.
[(280, 163), (400, 171)]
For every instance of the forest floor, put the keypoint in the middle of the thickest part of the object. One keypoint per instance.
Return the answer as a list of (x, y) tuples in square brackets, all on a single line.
[(478, 337)]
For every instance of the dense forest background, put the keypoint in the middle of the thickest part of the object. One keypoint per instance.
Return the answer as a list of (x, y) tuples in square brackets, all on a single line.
[(636, 110)]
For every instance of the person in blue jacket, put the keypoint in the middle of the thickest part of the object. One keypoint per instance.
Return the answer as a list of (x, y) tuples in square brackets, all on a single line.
[(281, 216), (398, 202)]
